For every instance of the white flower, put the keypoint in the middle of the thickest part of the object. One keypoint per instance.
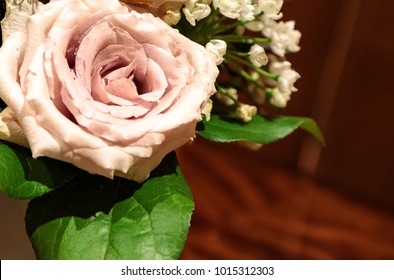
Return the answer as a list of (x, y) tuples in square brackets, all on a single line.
[(229, 96), (172, 17), (246, 112), (285, 84), (206, 110), (280, 99), (287, 76), (285, 38), (218, 48), (271, 8), (255, 26), (247, 13), (258, 56), (167, 10), (240, 30), (287, 80), (235, 9), (268, 25), (196, 10), (271, 11)]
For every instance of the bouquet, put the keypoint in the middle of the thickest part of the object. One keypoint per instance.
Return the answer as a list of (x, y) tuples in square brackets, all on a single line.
[(97, 95)]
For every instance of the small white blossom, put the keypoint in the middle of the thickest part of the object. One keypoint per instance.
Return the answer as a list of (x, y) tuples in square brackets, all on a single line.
[(285, 38), (285, 84), (218, 48), (246, 112), (271, 11), (287, 80), (280, 99), (169, 12), (258, 56), (240, 30), (235, 9), (287, 76), (268, 25), (195, 10), (255, 26), (271, 8), (206, 110), (229, 96), (172, 17), (247, 13)]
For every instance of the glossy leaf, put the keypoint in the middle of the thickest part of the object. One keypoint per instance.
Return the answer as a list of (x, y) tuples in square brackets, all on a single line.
[(23, 177), (262, 129), (92, 217), (12, 176)]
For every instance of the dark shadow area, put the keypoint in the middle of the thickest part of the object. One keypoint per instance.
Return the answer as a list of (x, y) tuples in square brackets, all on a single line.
[(85, 195)]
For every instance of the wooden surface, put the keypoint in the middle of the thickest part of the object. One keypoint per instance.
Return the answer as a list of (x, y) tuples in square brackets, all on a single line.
[(14, 243), (360, 131), (247, 209)]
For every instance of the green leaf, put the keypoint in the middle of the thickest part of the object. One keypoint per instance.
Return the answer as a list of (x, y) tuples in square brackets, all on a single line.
[(262, 129), (92, 217), (12, 176), (23, 177)]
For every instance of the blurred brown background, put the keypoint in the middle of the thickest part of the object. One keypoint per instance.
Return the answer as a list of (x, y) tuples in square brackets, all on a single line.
[(293, 199)]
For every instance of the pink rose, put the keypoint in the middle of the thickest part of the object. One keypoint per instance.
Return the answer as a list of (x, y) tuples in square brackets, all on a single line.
[(108, 89)]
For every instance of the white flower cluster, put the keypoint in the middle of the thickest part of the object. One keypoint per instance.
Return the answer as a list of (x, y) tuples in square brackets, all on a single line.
[(250, 10), (284, 86), (262, 16), (268, 75), (246, 112), (284, 38), (242, 10), (265, 9)]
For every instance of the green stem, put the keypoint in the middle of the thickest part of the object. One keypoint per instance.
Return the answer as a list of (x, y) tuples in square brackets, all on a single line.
[(233, 25), (199, 32), (236, 53), (224, 92), (228, 27), (242, 39), (215, 21), (230, 56), (247, 76)]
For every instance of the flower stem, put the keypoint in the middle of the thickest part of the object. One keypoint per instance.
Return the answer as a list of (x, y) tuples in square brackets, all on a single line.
[(230, 56), (221, 90), (243, 39)]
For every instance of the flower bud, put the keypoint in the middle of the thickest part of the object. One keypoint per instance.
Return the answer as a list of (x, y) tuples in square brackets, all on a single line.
[(218, 48)]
